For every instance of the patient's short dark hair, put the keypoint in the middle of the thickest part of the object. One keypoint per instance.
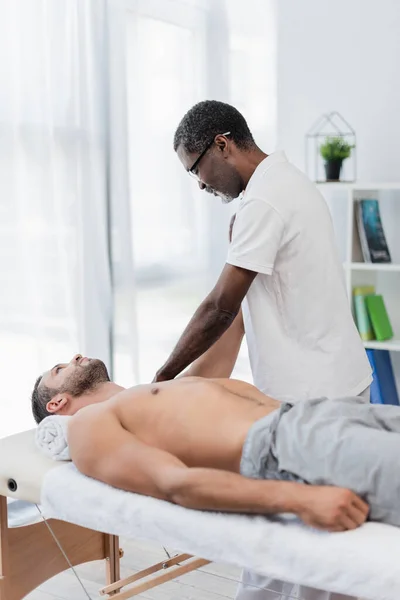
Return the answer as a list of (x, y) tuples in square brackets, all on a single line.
[(41, 395), (207, 119)]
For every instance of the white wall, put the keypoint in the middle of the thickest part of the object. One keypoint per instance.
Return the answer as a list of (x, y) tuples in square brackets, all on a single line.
[(342, 55)]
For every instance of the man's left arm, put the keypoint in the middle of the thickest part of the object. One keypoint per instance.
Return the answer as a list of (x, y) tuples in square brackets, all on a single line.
[(257, 235), (213, 317), (220, 359)]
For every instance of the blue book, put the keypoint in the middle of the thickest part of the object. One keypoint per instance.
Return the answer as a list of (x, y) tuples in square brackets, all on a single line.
[(383, 387), (372, 235)]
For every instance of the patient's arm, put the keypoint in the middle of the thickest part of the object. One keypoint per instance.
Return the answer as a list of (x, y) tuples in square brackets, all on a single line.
[(219, 360), (124, 462)]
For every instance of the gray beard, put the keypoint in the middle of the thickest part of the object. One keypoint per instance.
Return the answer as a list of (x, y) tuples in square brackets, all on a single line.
[(227, 200)]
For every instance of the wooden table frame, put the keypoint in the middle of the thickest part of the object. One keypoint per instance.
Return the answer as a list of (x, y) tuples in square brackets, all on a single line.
[(29, 556)]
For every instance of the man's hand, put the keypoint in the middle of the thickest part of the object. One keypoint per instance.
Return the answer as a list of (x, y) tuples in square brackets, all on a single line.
[(332, 508), (161, 376)]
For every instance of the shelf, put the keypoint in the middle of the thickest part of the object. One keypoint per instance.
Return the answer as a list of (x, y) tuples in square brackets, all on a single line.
[(360, 266), (392, 345), (359, 186), (339, 184)]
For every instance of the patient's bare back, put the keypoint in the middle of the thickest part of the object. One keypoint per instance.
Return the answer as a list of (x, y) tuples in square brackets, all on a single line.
[(201, 422)]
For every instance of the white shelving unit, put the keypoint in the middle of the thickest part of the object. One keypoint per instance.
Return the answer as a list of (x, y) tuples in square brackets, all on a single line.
[(391, 345), (359, 266), (341, 199), (360, 186)]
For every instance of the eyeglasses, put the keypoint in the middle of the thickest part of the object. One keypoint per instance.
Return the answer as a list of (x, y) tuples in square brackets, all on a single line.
[(198, 159)]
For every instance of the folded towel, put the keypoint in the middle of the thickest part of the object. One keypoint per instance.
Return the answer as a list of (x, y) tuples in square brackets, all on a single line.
[(51, 437)]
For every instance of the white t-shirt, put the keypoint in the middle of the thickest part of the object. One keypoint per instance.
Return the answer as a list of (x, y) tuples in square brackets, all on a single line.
[(300, 333)]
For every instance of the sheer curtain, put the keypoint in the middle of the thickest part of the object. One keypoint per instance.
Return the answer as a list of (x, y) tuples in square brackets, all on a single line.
[(106, 246), (55, 281), (176, 53)]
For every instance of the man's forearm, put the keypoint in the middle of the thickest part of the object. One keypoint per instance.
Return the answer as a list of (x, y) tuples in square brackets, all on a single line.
[(209, 489), (206, 326), (324, 507), (219, 360)]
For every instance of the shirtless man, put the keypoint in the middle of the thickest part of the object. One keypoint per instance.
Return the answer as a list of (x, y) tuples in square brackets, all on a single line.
[(221, 444)]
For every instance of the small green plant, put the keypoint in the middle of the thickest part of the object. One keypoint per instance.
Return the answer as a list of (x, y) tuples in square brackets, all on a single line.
[(335, 148)]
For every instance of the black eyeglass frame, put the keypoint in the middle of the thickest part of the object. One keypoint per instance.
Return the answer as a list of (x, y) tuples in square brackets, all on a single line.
[(198, 159)]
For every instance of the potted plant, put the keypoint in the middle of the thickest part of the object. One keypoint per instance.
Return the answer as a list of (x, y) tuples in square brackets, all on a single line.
[(334, 151)]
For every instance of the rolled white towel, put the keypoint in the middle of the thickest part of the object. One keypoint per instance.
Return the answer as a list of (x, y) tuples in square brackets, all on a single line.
[(51, 437)]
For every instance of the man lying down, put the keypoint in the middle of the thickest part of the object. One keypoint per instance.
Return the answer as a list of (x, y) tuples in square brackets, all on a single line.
[(221, 444)]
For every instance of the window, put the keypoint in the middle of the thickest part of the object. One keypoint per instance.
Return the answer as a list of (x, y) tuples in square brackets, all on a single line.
[(51, 173), (175, 56)]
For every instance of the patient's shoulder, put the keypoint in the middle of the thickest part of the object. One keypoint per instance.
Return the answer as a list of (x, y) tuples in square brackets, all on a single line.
[(86, 418), (89, 434)]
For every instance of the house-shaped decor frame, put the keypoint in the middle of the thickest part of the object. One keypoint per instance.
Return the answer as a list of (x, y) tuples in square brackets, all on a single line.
[(329, 125)]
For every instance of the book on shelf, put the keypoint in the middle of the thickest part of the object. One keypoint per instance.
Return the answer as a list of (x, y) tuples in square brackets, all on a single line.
[(383, 386), (370, 228), (361, 315), (379, 317), (370, 314)]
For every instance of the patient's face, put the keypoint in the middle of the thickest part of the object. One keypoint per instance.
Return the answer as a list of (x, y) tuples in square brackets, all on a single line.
[(79, 376)]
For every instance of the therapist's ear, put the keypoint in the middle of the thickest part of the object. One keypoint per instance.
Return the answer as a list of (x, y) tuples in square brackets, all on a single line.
[(222, 144), (58, 403)]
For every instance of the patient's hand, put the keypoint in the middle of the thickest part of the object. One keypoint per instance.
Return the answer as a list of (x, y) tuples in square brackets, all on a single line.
[(332, 508)]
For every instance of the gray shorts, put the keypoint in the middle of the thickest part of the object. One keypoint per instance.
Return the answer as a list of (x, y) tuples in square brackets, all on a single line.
[(344, 442)]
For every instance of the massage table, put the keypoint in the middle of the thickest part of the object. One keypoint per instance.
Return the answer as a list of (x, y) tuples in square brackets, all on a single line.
[(87, 517)]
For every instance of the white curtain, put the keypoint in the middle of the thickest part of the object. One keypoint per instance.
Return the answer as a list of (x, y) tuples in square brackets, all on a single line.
[(168, 55), (106, 246), (55, 297)]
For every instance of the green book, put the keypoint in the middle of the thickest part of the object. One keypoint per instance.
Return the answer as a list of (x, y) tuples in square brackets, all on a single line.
[(379, 317), (360, 311)]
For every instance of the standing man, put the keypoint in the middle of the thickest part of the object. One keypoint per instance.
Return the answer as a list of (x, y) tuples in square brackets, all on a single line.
[(282, 268)]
